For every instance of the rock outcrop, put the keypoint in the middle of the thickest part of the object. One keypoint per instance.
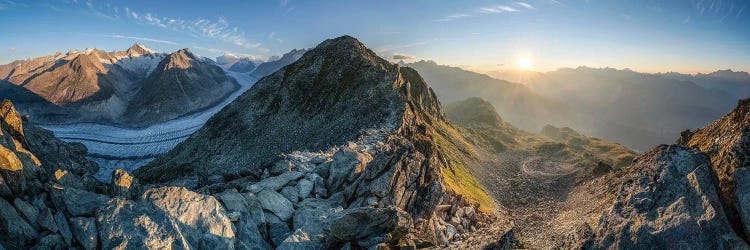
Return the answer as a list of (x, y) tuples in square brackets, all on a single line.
[(727, 142), (35, 208), (668, 200)]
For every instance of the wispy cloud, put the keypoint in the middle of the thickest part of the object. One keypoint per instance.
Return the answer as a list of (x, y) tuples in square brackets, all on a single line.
[(452, 17), (284, 5), (12, 49), (98, 13), (525, 5), (141, 39), (219, 29), (8, 4), (497, 9), (87, 8), (272, 36)]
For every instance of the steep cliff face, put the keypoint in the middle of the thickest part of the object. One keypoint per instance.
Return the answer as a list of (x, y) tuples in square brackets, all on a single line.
[(367, 133)]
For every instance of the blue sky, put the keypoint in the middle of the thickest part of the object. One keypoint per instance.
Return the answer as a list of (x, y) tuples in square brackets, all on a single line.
[(651, 36)]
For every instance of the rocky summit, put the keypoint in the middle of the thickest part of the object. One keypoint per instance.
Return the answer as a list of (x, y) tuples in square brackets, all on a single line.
[(329, 169)]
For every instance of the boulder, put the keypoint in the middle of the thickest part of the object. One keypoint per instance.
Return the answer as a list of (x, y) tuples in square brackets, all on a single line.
[(10, 120), (84, 230), (299, 239), (345, 162), (30, 212), (305, 187), (278, 232), (275, 183), (319, 186), (669, 200), (64, 228), (51, 241), (290, 193), (5, 191), (15, 230), (312, 214), (11, 169), (370, 226), (281, 167), (124, 184), (197, 214), (125, 224), (83, 203), (47, 220), (742, 192), (276, 203), (251, 222)]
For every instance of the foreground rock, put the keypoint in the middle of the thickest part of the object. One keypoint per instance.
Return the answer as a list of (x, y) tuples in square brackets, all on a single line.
[(124, 223), (201, 218), (670, 200), (727, 142)]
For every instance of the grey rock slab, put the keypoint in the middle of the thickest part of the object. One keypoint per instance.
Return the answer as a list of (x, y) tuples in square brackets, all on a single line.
[(51, 241), (17, 229), (742, 192), (275, 183), (29, 211), (281, 167), (276, 204), (125, 224), (670, 193), (83, 203), (62, 225), (84, 230), (47, 220), (290, 193), (305, 187), (278, 232), (198, 214), (370, 225)]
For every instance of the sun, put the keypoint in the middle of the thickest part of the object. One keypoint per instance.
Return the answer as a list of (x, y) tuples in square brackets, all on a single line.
[(525, 62)]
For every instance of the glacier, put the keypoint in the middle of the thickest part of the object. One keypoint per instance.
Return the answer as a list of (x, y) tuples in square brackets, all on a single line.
[(115, 147)]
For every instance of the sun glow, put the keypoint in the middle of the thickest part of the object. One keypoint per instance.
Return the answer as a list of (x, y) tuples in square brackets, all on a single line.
[(525, 62)]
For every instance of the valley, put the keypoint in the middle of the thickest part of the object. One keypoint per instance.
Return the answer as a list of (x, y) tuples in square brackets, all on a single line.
[(129, 148)]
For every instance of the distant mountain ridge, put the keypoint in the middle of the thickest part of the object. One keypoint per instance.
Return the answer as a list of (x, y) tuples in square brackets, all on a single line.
[(639, 110), (735, 83), (97, 86)]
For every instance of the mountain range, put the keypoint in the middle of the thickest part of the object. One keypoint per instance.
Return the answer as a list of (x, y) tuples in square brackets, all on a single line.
[(113, 87), (636, 109)]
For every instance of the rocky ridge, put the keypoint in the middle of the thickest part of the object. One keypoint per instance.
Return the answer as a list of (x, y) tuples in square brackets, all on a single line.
[(324, 162)]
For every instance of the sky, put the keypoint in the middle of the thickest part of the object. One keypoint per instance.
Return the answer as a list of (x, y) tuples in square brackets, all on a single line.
[(687, 36)]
